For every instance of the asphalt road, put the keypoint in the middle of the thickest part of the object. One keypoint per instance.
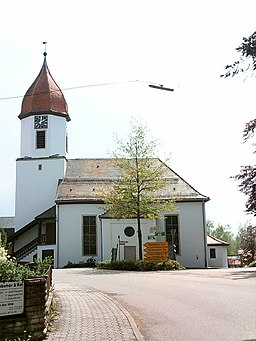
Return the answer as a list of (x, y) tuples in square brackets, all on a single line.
[(201, 305)]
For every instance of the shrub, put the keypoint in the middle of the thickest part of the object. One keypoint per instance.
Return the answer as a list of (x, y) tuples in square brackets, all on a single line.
[(252, 264), (3, 253), (90, 263), (10, 270), (138, 265)]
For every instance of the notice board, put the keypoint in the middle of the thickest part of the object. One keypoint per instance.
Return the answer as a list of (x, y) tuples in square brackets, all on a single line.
[(11, 298)]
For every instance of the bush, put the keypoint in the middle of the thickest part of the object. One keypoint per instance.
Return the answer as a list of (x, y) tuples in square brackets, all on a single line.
[(138, 265), (252, 264), (10, 270), (3, 252), (90, 263)]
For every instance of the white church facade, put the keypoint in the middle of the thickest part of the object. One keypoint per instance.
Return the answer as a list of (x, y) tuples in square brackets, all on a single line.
[(58, 208)]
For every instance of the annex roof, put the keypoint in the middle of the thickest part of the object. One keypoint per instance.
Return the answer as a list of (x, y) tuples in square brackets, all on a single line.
[(44, 96), (213, 241), (85, 179), (7, 223)]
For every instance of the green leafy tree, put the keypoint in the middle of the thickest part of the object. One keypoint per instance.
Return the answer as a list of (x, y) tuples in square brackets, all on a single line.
[(134, 195), (247, 175), (223, 233), (247, 245)]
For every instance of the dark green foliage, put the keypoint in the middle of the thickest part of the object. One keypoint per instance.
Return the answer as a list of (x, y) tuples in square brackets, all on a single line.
[(224, 233), (252, 264), (247, 237), (247, 186), (90, 263), (10, 270), (247, 61), (139, 265), (3, 239), (247, 175)]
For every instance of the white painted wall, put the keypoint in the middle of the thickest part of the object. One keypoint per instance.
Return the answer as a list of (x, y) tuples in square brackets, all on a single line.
[(70, 232), (221, 260), (36, 189), (55, 137), (112, 228), (192, 235)]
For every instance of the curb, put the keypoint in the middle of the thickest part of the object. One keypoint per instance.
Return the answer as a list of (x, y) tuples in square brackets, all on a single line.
[(132, 323)]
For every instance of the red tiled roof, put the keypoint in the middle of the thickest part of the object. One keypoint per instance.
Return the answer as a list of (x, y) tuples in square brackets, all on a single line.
[(44, 96)]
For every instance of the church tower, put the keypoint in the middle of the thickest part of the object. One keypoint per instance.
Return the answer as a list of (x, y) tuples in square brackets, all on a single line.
[(42, 161)]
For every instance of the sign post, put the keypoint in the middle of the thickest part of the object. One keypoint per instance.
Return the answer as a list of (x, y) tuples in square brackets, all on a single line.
[(11, 298)]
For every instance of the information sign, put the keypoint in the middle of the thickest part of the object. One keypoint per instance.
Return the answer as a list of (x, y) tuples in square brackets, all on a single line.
[(156, 244), (156, 252), (11, 298)]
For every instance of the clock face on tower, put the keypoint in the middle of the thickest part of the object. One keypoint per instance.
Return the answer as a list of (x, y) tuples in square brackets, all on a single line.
[(41, 122)]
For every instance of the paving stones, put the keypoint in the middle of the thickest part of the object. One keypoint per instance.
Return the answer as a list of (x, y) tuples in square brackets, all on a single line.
[(89, 315)]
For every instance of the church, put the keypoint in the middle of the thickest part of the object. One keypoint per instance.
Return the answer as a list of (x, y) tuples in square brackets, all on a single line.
[(58, 211)]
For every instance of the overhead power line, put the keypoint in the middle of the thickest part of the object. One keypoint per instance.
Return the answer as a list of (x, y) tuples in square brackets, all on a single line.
[(151, 85)]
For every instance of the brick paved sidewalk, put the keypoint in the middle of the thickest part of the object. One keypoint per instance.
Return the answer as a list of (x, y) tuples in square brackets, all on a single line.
[(85, 314)]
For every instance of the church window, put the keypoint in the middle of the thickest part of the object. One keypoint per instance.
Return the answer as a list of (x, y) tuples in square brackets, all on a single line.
[(89, 235), (40, 139), (172, 232)]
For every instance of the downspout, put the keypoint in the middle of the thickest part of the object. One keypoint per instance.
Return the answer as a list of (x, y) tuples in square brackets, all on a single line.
[(57, 236), (205, 237), (101, 241)]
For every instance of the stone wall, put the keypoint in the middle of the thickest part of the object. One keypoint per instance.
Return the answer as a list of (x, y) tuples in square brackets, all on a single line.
[(34, 318)]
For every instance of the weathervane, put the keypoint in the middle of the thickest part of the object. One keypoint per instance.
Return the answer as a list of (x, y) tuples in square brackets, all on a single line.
[(45, 53)]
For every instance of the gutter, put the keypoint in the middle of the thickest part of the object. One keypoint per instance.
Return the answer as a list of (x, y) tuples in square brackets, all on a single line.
[(205, 235), (101, 240), (57, 236)]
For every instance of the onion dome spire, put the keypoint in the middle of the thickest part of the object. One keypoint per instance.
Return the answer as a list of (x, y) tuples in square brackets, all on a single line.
[(44, 96)]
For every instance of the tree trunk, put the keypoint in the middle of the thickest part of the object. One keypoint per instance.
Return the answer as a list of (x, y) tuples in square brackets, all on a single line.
[(140, 239)]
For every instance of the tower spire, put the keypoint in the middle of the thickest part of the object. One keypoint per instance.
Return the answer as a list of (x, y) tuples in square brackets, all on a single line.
[(44, 95), (45, 53)]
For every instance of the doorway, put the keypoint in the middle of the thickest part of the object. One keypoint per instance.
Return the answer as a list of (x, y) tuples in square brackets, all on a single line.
[(130, 252)]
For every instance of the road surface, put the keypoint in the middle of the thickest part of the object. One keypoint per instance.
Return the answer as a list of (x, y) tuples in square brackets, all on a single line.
[(200, 305)]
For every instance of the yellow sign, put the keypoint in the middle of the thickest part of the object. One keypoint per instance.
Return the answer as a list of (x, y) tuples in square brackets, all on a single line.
[(156, 252), (156, 244), (154, 249)]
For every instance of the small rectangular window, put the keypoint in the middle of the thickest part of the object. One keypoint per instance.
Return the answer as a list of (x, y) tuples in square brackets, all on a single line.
[(212, 253), (40, 139), (89, 235), (40, 167)]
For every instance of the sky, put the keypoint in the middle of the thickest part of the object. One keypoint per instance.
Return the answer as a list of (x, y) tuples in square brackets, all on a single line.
[(108, 52)]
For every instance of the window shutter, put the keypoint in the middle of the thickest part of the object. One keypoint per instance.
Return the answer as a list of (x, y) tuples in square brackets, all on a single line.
[(40, 139)]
